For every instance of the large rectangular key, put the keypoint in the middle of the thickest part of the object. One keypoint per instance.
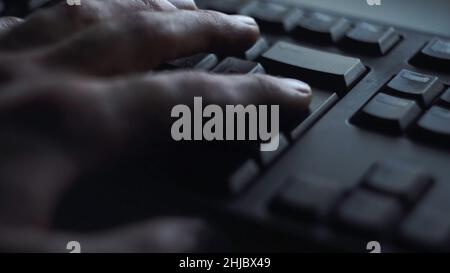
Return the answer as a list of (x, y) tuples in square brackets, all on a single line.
[(322, 69)]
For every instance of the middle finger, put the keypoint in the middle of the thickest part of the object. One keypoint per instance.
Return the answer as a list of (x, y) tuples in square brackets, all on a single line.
[(143, 41)]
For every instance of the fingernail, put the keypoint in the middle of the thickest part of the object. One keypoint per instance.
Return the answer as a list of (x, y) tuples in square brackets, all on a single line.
[(245, 20), (299, 86)]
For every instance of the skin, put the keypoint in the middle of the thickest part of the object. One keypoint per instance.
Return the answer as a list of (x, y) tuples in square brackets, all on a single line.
[(70, 102)]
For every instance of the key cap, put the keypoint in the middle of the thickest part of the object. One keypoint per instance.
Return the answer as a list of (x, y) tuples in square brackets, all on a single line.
[(271, 16), (322, 27), (233, 65), (307, 197), (388, 113), (202, 61), (423, 88), (371, 39), (225, 6), (445, 99), (435, 125), (398, 179), (369, 211), (256, 50), (427, 227), (435, 55), (327, 70)]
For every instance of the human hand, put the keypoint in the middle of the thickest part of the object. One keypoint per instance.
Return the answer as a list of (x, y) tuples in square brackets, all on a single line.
[(78, 91)]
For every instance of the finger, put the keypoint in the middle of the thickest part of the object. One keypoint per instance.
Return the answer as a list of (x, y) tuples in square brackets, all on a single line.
[(166, 236), (54, 24), (161, 235), (110, 118), (144, 108), (9, 23), (184, 4), (145, 40), (145, 104)]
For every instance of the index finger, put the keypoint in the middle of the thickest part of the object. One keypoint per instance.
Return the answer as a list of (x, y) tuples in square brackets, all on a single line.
[(144, 40)]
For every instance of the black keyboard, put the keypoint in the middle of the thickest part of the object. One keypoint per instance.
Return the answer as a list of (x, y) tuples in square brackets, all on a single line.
[(370, 161)]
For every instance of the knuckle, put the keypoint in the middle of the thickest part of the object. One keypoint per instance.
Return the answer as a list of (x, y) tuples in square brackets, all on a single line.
[(140, 25), (154, 5), (167, 31), (204, 84), (262, 82), (214, 21), (216, 89), (199, 79), (261, 89), (139, 21), (213, 17), (9, 21)]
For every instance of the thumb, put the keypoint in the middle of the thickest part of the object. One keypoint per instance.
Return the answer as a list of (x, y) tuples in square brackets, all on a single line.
[(7, 23), (167, 235)]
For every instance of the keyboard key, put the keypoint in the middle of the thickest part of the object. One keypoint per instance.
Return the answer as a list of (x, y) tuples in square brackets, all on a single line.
[(372, 39), (445, 99), (268, 157), (427, 227), (435, 55), (369, 211), (423, 88), (398, 179), (202, 61), (271, 16), (321, 103), (242, 177), (331, 71), (435, 125), (307, 197), (321, 27), (225, 6), (256, 50), (233, 65), (388, 113)]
